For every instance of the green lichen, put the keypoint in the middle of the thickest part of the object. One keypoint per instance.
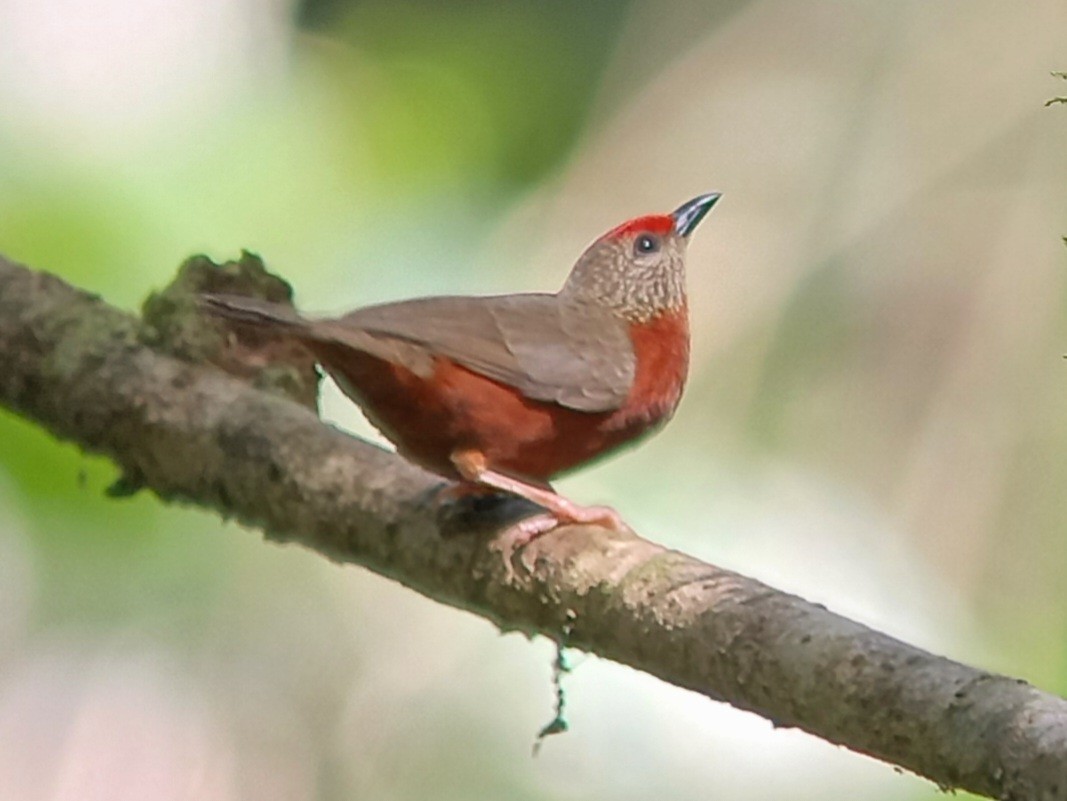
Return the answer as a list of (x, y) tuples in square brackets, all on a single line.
[(82, 331), (561, 666), (173, 319), (281, 379), (175, 322)]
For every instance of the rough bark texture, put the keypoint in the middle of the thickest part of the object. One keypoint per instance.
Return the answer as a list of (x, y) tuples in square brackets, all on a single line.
[(188, 431)]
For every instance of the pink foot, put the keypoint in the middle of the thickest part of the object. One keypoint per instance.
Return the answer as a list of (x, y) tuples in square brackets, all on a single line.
[(518, 536), (473, 466)]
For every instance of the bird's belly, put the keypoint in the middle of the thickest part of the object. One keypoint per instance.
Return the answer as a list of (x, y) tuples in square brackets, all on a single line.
[(429, 418)]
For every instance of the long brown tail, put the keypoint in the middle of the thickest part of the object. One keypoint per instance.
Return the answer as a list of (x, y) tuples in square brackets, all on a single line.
[(252, 311), (323, 337)]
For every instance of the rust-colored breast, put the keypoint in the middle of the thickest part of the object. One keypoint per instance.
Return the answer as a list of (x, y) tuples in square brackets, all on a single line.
[(430, 418), (661, 347)]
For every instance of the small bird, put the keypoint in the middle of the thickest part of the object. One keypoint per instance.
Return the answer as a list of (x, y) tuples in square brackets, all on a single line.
[(509, 391)]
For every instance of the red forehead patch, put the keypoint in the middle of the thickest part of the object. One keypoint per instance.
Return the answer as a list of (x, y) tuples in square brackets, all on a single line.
[(661, 224)]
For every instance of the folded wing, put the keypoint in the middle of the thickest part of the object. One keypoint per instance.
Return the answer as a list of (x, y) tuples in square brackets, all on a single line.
[(548, 348)]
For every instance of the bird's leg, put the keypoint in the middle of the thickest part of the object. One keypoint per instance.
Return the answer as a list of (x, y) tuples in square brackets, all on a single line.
[(472, 466), (456, 491)]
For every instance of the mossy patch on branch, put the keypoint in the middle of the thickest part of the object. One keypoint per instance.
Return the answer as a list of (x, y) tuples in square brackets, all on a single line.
[(174, 321)]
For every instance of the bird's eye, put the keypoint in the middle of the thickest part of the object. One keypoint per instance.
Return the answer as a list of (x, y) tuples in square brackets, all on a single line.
[(646, 243)]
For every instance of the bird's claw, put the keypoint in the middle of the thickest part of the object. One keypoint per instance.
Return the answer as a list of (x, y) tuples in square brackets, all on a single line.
[(518, 535), (603, 516)]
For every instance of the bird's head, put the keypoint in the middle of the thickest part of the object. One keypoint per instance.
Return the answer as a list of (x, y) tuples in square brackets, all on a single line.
[(638, 268)]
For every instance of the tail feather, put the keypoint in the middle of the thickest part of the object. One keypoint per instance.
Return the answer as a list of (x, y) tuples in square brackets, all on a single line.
[(251, 311), (334, 333)]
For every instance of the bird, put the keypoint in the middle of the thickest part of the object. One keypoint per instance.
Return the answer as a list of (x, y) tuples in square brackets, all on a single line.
[(506, 392)]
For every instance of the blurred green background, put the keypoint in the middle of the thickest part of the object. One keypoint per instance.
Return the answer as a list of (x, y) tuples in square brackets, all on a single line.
[(875, 417)]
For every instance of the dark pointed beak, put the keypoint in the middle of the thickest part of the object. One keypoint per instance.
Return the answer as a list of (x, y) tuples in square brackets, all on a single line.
[(688, 216)]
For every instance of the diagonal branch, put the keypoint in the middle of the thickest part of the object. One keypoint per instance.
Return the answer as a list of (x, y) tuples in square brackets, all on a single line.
[(188, 431)]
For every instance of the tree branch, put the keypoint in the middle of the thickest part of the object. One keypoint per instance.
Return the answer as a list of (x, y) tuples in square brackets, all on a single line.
[(188, 431), (1056, 100)]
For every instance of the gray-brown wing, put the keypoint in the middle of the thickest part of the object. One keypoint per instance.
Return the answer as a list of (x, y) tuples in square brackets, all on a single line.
[(576, 355)]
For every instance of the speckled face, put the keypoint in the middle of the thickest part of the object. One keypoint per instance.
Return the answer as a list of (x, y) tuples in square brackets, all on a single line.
[(638, 272)]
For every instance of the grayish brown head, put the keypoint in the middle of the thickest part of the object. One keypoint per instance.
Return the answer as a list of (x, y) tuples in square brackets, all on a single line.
[(638, 269)]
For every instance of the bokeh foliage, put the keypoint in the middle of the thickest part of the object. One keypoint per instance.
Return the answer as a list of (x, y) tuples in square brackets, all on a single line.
[(874, 417)]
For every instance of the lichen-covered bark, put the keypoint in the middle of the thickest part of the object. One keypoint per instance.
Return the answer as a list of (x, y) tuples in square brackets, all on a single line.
[(188, 431)]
